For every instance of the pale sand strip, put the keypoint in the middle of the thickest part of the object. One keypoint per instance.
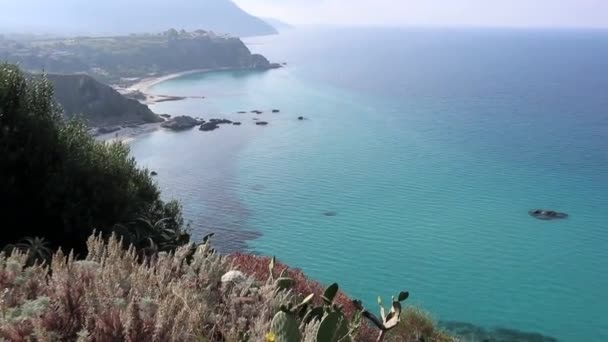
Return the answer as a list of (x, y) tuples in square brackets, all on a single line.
[(145, 84)]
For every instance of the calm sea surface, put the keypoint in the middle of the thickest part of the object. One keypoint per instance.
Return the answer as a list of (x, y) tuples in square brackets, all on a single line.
[(428, 147)]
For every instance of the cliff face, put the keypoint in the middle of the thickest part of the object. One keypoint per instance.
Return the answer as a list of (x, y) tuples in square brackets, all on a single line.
[(99, 104), (111, 58)]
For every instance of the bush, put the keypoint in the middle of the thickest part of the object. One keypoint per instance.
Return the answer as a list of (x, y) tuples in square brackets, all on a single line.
[(58, 183), (112, 296)]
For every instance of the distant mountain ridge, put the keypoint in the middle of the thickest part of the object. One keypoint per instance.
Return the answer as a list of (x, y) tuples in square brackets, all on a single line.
[(112, 17)]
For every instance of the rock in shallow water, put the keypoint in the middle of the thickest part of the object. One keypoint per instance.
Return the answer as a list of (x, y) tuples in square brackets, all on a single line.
[(209, 126), (546, 215), (179, 123), (330, 213)]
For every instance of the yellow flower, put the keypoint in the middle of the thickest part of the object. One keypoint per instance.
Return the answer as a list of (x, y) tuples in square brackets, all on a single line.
[(270, 337)]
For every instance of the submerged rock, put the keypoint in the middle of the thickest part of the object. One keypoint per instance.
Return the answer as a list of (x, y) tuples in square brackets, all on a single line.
[(470, 332), (542, 214), (300, 118), (330, 213)]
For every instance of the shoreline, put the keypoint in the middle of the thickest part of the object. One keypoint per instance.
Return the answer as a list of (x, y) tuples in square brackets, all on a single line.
[(140, 89), (143, 85), (128, 134)]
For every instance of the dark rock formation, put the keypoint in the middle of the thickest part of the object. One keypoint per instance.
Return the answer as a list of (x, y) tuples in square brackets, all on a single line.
[(276, 111), (179, 123), (300, 118), (97, 103), (209, 126), (220, 121), (546, 215), (261, 123)]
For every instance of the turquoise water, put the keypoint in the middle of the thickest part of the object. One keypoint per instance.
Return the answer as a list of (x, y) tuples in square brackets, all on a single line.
[(430, 147)]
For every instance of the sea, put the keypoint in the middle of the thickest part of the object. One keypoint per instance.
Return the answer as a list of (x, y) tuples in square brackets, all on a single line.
[(418, 159)]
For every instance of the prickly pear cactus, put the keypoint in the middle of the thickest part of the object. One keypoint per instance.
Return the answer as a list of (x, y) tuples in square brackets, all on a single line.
[(284, 327), (333, 328)]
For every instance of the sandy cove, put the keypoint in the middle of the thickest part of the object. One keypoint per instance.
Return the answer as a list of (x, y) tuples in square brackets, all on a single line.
[(140, 90)]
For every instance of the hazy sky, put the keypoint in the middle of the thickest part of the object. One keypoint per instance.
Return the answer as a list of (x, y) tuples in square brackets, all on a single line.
[(517, 13)]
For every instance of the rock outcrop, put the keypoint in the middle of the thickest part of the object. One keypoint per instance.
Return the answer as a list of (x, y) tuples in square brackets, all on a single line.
[(180, 123), (208, 126)]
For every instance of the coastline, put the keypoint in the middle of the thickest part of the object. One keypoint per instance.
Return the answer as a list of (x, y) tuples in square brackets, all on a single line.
[(140, 89), (143, 85), (128, 134)]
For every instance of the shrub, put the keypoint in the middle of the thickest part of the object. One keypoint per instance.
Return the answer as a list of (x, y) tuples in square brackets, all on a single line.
[(58, 183)]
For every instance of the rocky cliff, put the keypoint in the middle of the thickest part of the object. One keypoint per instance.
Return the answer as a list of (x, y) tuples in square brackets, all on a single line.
[(98, 104)]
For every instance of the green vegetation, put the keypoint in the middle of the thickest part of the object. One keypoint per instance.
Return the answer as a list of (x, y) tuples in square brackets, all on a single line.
[(111, 296), (111, 59), (59, 184)]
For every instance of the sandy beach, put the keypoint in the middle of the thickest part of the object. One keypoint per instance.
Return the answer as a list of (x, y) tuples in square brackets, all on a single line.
[(145, 84), (128, 134), (140, 90)]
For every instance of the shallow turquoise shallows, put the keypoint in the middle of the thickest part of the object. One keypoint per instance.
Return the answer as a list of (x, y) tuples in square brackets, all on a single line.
[(427, 148)]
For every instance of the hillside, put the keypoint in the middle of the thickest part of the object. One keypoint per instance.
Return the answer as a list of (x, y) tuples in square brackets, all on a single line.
[(279, 25), (100, 105), (110, 59), (117, 17)]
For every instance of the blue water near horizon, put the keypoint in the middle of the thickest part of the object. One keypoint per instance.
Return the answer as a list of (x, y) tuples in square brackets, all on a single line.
[(430, 146)]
